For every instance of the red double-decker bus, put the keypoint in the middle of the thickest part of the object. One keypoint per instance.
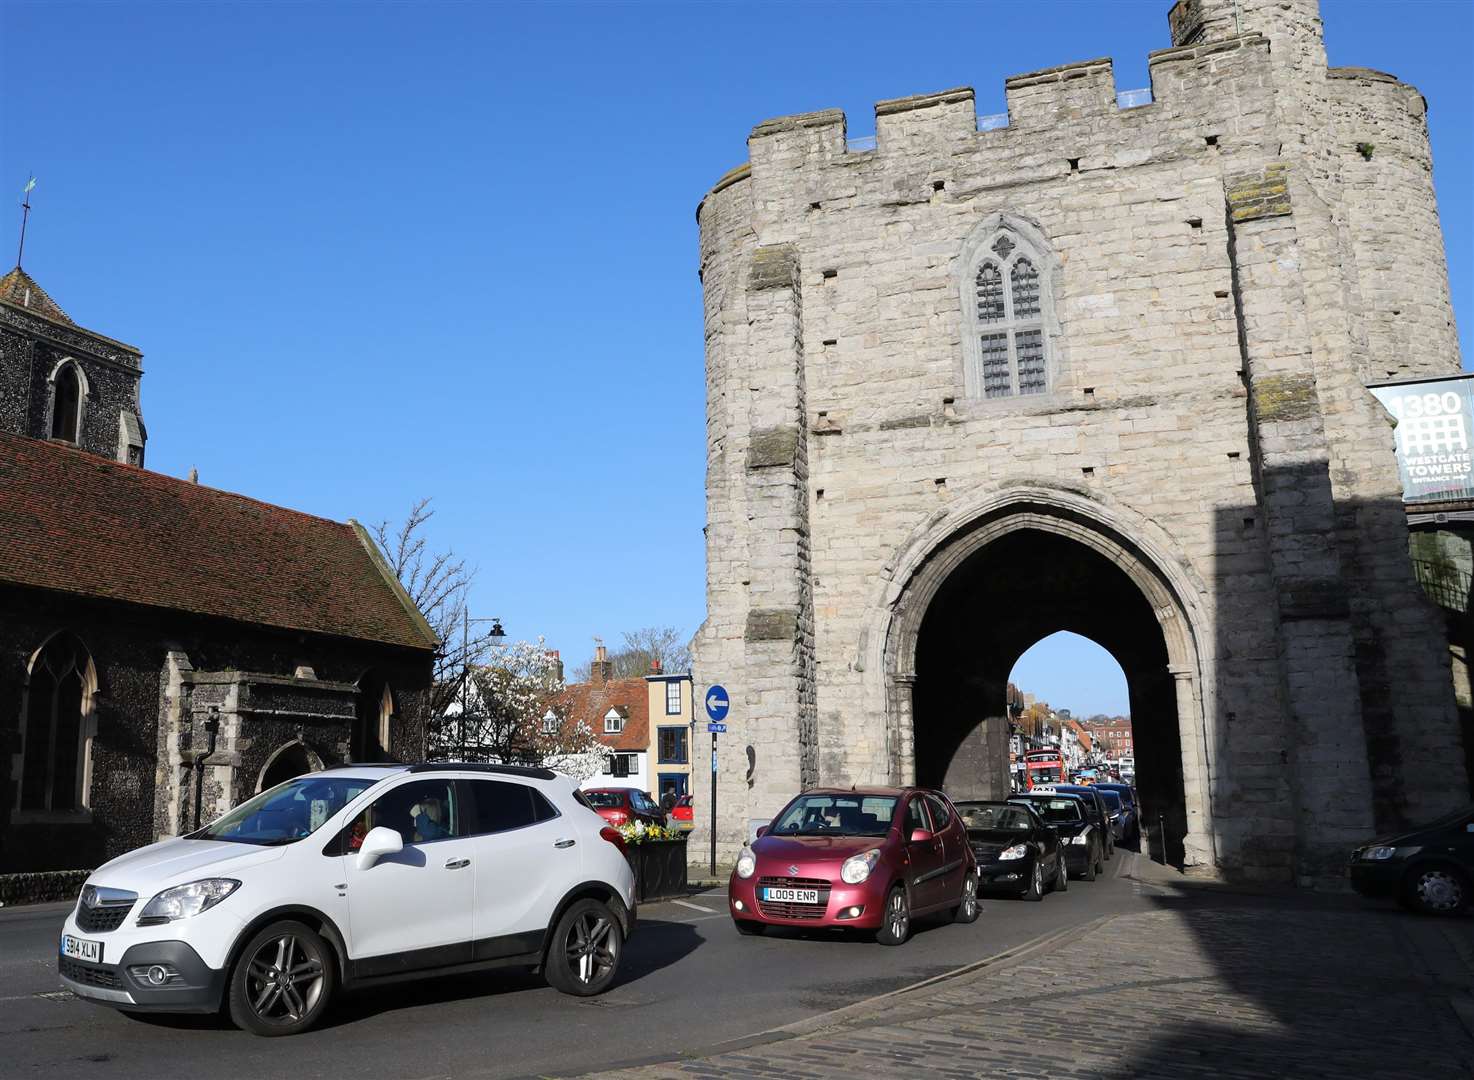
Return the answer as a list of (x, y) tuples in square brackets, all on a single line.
[(1043, 767)]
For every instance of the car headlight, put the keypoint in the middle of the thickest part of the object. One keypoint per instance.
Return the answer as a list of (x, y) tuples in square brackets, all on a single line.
[(746, 864), (857, 867), (1381, 854), (1080, 838), (182, 901), (1018, 851)]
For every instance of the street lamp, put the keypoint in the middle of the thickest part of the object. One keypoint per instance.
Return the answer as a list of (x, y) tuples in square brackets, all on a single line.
[(497, 638)]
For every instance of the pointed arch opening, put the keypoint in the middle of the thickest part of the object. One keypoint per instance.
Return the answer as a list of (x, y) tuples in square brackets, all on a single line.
[(1008, 278), (975, 600), (289, 760), (58, 723), (68, 392), (373, 725)]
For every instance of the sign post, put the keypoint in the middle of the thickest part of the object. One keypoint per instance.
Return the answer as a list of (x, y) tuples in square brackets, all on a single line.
[(717, 704)]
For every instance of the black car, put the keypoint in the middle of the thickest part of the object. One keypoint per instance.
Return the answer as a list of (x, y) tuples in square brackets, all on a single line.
[(1130, 812), (1079, 836), (1429, 869), (1016, 850), (1117, 813), (1099, 812)]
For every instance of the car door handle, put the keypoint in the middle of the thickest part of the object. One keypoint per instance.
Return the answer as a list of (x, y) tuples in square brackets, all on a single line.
[(456, 864), (565, 843)]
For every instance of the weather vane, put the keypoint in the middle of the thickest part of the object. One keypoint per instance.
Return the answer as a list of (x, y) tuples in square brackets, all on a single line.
[(25, 213)]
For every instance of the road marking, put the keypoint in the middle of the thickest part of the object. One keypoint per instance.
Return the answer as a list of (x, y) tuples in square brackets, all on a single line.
[(49, 995), (693, 907)]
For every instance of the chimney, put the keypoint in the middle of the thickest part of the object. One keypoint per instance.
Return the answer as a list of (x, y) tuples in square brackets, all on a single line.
[(654, 666), (557, 663), (601, 669)]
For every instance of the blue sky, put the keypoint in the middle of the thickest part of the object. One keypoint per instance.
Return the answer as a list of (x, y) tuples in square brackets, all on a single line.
[(379, 252)]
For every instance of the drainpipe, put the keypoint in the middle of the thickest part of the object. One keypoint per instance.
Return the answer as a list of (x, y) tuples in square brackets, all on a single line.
[(196, 761)]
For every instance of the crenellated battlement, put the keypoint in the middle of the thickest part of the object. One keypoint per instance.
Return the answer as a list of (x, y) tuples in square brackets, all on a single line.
[(1075, 103), (1060, 94)]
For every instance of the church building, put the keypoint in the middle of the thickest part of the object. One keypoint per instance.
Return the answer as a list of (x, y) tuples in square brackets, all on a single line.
[(167, 650)]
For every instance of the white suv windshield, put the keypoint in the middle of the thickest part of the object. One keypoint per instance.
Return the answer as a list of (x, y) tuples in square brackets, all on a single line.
[(287, 812)]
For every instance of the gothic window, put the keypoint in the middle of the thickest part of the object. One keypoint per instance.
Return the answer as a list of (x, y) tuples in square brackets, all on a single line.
[(66, 400), (54, 739), (1012, 354)]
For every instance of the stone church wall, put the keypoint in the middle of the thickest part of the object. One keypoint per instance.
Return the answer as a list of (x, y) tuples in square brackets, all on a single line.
[(30, 350), (138, 790)]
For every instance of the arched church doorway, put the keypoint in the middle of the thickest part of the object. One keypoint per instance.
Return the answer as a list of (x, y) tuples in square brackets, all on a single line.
[(291, 760), (994, 589)]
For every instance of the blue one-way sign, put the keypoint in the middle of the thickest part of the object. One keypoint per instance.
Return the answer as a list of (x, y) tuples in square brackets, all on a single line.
[(717, 703)]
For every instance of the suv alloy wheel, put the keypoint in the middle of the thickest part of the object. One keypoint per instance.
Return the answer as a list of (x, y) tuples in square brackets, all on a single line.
[(283, 980), (583, 956)]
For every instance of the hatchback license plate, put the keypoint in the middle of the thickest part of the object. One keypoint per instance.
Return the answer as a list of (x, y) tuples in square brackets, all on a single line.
[(792, 896), (81, 949)]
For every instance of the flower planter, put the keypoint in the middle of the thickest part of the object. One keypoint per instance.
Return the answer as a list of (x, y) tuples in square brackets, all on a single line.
[(659, 867)]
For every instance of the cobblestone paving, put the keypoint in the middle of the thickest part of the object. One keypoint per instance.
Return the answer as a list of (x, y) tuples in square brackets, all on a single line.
[(1199, 987)]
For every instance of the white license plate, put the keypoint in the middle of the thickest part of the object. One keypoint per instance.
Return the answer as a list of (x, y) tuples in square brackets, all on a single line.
[(81, 949), (792, 896)]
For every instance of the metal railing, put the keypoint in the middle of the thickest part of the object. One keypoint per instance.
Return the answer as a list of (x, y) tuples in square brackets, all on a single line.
[(1446, 585), (1133, 99), (862, 144)]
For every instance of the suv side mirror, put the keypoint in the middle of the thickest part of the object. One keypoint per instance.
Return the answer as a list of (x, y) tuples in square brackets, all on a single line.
[(379, 842), (762, 831), (920, 836)]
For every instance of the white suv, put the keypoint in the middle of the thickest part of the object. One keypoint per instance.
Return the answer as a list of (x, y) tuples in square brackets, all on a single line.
[(353, 876)]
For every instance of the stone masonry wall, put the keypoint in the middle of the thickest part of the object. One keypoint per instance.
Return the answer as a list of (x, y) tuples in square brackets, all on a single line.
[(142, 721), (31, 347), (1161, 339)]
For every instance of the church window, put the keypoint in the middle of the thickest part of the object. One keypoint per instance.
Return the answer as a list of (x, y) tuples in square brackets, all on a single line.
[(1010, 355), (66, 404), (54, 740)]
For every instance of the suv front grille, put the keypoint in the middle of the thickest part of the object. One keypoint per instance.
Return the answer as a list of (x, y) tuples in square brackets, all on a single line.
[(90, 974), (99, 920), (786, 910)]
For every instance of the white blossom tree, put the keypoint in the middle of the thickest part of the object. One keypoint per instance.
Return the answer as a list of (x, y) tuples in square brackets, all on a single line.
[(510, 714)]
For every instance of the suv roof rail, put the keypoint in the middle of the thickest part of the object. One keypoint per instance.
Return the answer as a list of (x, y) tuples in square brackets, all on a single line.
[(533, 771)]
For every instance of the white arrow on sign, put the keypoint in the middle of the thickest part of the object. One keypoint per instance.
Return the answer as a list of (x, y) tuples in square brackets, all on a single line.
[(714, 702)]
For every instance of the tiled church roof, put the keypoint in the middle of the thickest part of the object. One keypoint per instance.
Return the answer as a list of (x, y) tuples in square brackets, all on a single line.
[(80, 524), (20, 289)]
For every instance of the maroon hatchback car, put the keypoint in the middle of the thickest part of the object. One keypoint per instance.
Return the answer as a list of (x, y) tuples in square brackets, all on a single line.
[(864, 858)]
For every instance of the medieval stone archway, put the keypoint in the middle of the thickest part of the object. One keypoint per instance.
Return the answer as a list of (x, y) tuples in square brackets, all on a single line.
[(289, 760), (979, 588)]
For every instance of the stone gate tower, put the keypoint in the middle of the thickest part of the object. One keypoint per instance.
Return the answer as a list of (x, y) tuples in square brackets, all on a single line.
[(1096, 365)]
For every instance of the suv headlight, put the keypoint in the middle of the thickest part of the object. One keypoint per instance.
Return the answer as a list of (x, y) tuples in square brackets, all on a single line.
[(1079, 838), (1017, 851), (182, 901), (746, 864), (857, 867)]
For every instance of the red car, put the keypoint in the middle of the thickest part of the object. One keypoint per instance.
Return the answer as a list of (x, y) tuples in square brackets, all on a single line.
[(865, 858), (682, 815), (624, 806)]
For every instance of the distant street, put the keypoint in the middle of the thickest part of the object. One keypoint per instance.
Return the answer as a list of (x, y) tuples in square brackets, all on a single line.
[(689, 985)]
